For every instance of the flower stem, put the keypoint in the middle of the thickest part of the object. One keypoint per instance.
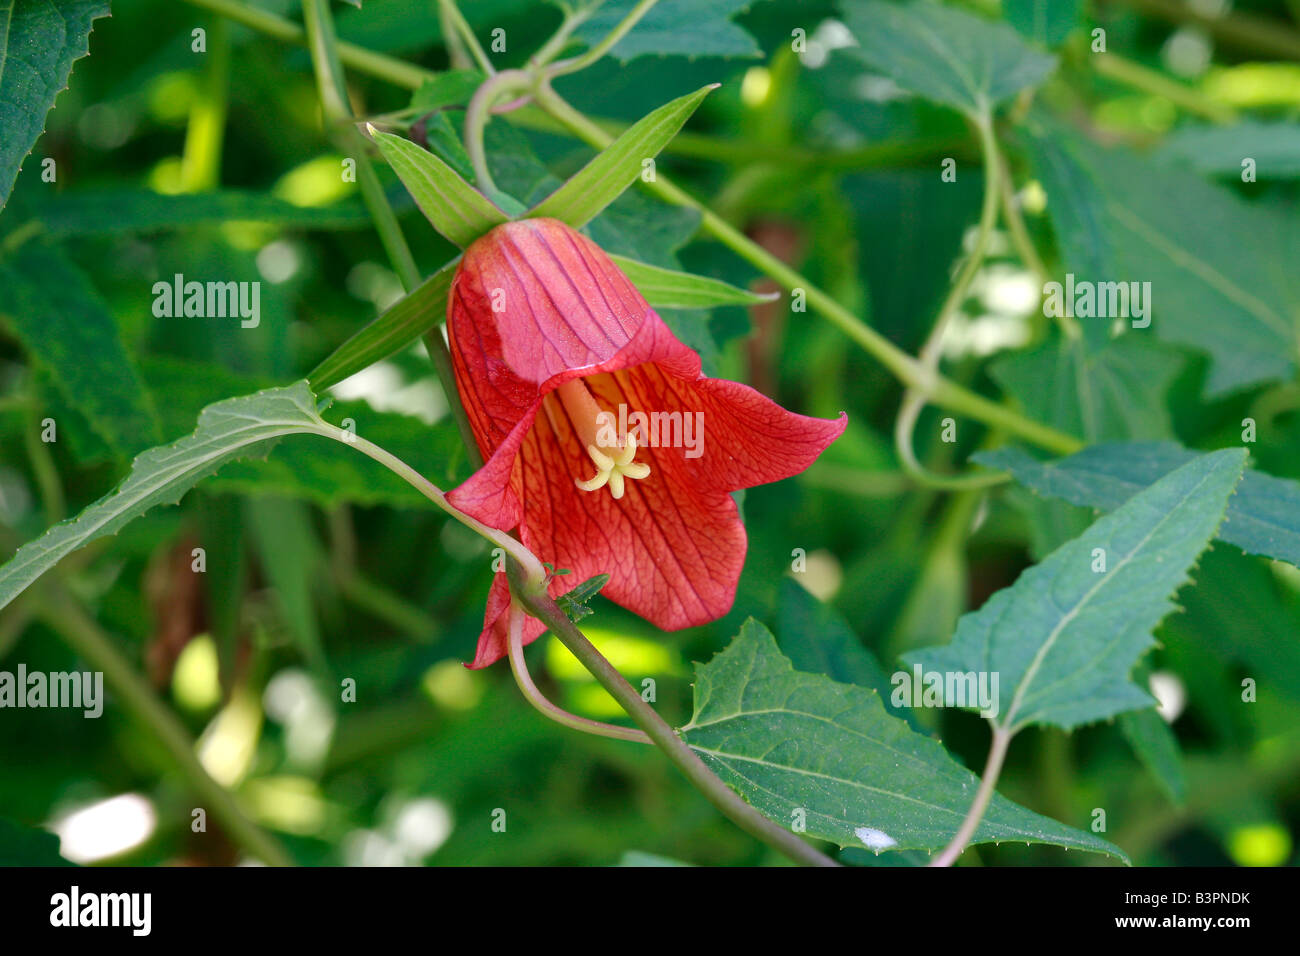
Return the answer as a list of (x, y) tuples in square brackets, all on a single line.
[(534, 696), (726, 800), (915, 397), (452, 13), (85, 637), (988, 782), (479, 111)]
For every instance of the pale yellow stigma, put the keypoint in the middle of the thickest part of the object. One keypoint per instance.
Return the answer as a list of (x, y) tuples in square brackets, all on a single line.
[(612, 455)]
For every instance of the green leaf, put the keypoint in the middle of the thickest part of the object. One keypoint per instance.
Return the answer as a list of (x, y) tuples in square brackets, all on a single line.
[(451, 88), (674, 27), (1065, 637), (39, 41), (615, 168), (1157, 748), (945, 55), (789, 741), (670, 289), (95, 213), (1263, 517), (1117, 392), (292, 561), (1220, 150), (405, 321), (1047, 22), (455, 208), (235, 428), (1118, 218), (28, 846), (67, 328)]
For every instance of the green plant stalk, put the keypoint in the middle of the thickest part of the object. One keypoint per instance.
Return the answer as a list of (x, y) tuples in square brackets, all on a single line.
[(64, 615), (359, 58), (477, 114), (201, 157), (1254, 34), (988, 782), (43, 468), (458, 55), (534, 696), (903, 366), (451, 12), (726, 800), (332, 86), (914, 398), (1147, 80)]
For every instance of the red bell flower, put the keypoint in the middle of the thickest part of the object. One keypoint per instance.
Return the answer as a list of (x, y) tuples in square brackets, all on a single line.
[(603, 442)]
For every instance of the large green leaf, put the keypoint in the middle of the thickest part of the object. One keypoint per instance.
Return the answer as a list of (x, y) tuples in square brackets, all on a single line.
[(680, 27), (1063, 640), (1113, 393), (619, 165), (1263, 517), (235, 428), (1047, 22), (1220, 150), (66, 327), (789, 741), (455, 208), (945, 55), (1118, 218), (39, 41)]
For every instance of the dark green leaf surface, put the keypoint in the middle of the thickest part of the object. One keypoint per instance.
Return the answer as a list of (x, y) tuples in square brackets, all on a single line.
[(67, 328), (39, 42), (125, 211), (945, 55), (674, 27), (1114, 393), (1120, 219), (1047, 22), (789, 741), (1263, 517), (1220, 150)]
